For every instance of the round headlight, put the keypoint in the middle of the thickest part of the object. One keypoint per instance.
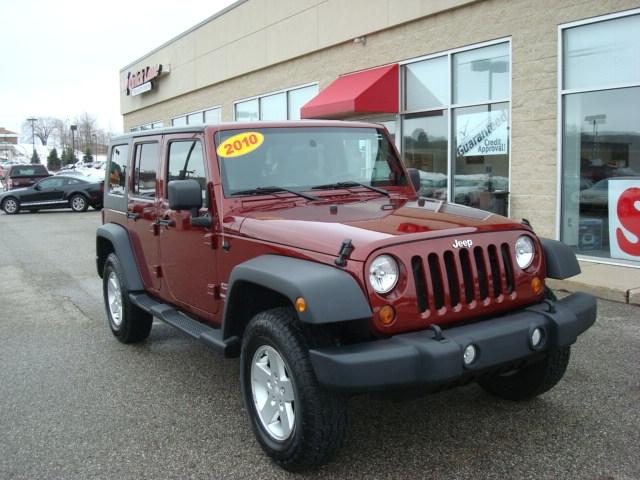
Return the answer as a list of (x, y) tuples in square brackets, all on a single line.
[(383, 274), (525, 250)]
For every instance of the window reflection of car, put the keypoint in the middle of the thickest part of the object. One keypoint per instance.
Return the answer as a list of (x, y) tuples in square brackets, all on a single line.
[(469, 187), (433, 184), (596, 197)]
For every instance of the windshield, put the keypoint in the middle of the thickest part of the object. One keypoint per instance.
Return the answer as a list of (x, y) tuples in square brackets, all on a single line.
[(303, 158)]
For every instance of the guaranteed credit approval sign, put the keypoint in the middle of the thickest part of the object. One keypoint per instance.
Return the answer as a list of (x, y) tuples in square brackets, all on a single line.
[(624, 218), (482, 133)]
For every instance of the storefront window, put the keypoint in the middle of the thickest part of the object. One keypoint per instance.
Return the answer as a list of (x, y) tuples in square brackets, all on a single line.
[(297, 98), (481, 157), (601, 139), (601, 149), (426, 84), (213, 115), (481, 74), (602, 53), (460, 140), (195, 118), (247, 111), (284, 105), (179, 121), (273, 107), (424, 146)]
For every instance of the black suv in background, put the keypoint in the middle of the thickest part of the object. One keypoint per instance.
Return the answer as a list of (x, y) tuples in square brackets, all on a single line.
[(18, 176)]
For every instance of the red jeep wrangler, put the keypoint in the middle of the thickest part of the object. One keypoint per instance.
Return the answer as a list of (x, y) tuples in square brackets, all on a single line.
[(303, 248)]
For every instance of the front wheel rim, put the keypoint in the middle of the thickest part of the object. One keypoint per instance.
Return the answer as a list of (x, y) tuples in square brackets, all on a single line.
[(77, 203), (114, 299), (10, 206), (273, 393)]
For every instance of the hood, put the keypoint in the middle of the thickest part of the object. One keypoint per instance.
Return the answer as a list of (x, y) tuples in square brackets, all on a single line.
[(369, 225)]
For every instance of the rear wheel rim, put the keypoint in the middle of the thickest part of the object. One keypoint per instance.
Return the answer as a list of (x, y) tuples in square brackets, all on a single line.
[(77, 203), (273, 393), (114, 299), (10, 206)]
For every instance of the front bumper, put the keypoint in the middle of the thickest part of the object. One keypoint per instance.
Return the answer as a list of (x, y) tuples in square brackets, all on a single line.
[(418, 359)]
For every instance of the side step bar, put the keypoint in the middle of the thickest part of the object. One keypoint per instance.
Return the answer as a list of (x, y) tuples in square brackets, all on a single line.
[(209, 335)]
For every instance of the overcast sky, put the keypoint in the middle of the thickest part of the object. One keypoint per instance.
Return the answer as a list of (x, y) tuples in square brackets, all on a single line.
[(62, 58)]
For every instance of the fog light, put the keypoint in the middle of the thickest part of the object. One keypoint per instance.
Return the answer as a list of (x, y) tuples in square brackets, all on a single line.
[(469, 354), (536, 337), (387, 315)]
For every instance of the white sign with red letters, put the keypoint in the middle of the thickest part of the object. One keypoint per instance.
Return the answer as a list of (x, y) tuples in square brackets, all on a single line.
[(624, 218)]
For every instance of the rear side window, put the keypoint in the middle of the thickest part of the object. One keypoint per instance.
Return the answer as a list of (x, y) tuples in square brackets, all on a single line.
[(146, 163), (118, 169), (186, 161), (28, 171)]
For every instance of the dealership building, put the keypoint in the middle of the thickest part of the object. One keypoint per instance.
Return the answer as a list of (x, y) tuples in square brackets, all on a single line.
[(529, 109)]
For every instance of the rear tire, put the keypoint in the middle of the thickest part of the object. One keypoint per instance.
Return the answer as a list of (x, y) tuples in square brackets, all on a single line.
[(11, 205), (78, 203), (128, 323), (532, 380), (297, 422)]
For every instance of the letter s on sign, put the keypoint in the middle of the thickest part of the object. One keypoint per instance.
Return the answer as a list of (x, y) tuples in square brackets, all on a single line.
[(629, 217)]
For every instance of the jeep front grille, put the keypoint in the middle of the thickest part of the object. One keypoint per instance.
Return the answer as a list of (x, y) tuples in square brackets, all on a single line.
[(464, 276)]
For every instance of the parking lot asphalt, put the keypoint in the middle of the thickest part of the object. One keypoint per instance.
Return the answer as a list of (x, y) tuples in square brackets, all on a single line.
[(77, 404)]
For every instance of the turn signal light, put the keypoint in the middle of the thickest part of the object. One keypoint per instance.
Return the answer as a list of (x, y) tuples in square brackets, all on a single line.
[(301, 304), (387, 315), (536, 285)]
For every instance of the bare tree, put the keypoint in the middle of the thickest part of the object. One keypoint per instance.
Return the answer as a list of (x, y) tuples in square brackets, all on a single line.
[(43, 127), (86, 128)]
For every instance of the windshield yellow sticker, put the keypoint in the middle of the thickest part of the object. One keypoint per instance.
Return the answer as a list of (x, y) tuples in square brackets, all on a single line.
[(240, 144)]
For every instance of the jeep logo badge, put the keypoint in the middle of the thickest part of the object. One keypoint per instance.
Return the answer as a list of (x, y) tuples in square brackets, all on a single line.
[(462, 243)]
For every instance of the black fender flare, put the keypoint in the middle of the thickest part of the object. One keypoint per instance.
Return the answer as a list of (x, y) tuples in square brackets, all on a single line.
[(560, 260), (331, 295), (119, 238)]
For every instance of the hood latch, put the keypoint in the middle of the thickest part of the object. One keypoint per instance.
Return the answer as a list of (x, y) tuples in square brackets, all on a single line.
[(345, 250)]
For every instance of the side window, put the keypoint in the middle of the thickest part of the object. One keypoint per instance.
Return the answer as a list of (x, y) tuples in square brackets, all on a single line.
[(118, 168), (51, 183), (72, 181), (146, 163), (186, 160)]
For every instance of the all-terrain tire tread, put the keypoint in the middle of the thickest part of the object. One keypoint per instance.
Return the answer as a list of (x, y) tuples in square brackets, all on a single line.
[(325, 417)]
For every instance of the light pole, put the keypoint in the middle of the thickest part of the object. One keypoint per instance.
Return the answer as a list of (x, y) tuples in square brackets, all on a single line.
[(33, 121), (95, 142), (73, 142)]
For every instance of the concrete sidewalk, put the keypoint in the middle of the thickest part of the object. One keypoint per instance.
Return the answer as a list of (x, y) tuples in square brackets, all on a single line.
[(610, 282)]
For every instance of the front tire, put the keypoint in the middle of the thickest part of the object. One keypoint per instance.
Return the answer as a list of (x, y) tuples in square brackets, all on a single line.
[(78, 203), (532, 380), (11, 206), (297, 422), (128, 323)]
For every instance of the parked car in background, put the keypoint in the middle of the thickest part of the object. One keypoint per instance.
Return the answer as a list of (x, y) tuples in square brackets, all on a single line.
[(18, 176), (60, 191)]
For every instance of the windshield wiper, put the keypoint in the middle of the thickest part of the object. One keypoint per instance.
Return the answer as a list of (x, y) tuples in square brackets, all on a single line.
[(274, 189), (351, 184)]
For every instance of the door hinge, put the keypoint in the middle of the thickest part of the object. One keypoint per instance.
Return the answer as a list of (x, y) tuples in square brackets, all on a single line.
[(213, 289), (211, 240)]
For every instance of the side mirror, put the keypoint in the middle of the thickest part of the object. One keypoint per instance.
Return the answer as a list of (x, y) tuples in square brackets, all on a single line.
[(36, 186), (414, 175), (184, 195)]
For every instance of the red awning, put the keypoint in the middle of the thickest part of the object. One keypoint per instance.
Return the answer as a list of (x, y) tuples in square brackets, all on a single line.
[(369, 91)]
